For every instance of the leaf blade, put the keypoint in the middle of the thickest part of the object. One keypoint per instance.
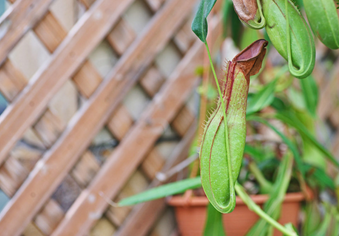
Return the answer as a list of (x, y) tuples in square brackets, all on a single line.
[(199, 24), (213, 226), (310, 93), (291, 120), (162, 191)]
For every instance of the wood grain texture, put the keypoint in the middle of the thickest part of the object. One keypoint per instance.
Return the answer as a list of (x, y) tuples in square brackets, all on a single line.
[(152, 163), (12, 81), (121, 36), (120, 122), (87, 33), (144, 215), (124, 160), (56, 163), (18, 20), (50, 32), (87, 79)]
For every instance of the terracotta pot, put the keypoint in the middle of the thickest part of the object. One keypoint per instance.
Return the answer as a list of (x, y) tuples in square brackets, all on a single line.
[(191, 214)]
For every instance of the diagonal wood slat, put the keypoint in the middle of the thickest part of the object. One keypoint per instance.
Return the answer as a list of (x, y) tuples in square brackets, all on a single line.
[(17, 20), (86, 34), (124, 160), (144, 215), (50, 32), (56, 163)]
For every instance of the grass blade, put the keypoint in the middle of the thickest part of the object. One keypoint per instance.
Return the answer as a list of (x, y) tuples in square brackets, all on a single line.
[(162, 191)]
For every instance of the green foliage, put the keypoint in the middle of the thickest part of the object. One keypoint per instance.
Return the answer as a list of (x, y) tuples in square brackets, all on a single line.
[(312, 218), (250, 35), (323, 18), (199, 24), (162, 191), (298, 47), (254, 207), (273, 206), (310, 93), (319, 176), (291, 228), (289, 118), (213, 226), (261, 99), (226, 12), (286, 140)]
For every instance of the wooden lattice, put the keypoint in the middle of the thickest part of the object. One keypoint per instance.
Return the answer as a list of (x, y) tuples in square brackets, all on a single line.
[(77, 128), (80, 126)]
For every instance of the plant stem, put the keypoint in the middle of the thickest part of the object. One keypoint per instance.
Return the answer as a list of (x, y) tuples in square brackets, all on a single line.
[(265, 185), (254, 207)]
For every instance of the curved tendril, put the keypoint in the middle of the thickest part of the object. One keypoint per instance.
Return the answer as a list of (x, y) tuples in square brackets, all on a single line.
[(258, 24)]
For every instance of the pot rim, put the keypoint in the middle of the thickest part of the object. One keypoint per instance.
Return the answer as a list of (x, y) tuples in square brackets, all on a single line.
[(182, 201)]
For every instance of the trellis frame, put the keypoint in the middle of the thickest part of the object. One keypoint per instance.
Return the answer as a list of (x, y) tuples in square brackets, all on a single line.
[(65, 143)]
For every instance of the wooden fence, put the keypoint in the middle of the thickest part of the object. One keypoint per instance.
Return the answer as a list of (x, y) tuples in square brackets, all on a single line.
[(77, 129)]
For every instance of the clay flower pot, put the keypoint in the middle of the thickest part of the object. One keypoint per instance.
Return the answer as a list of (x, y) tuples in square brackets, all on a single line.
[(191, 214)]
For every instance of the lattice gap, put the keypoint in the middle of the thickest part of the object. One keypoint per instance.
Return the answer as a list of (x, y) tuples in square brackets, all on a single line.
[(168, 59), (137, 16), (29, 55), (103, 58)]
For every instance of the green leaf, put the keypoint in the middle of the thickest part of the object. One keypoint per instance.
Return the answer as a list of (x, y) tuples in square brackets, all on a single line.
[(273, 205), (261, 99), (236, 28), (310, 93), (321, 231), (211, 92), (290, 119), (312, 218), (250, 35), (254, 152), (291, 227), (311, 154), (199, 24), (278, 104), (213, 226), (162, 191), (286, 140), (320, 176), (226, 12)]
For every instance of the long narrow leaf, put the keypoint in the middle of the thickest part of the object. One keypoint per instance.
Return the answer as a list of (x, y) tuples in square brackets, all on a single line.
[(261, 99), (320, 176), (213, 226), (199, 24), (162, 191), (291, 227), (255, 153), (310, 93), (273, 206), (290, 119), (286, 140), (264, 97)]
